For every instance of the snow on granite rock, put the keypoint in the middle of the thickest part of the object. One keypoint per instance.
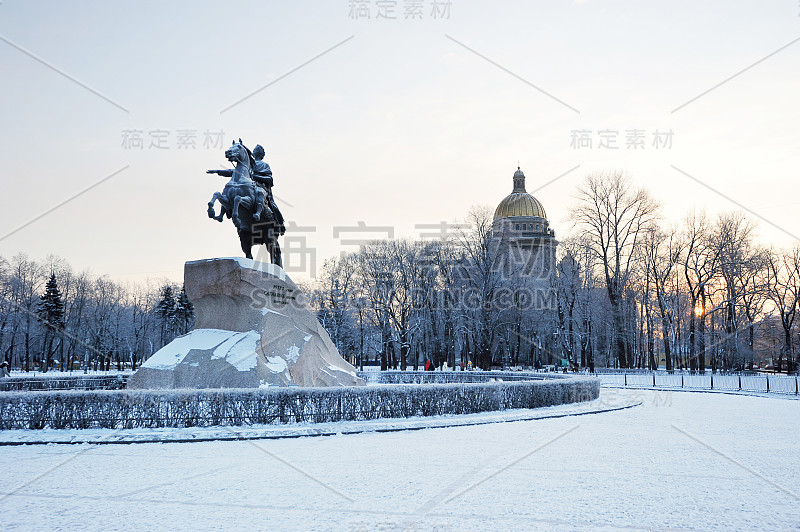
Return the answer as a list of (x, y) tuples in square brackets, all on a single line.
[(253, 328)]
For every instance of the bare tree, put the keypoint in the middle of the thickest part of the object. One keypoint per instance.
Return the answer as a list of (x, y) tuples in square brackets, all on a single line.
[(567, 283), (736, 259), (139, 341), (755, 294), (480, 275), (338, 282), (613, 215), (662, 252), (27, 280), (407, 268), (78, 296), (699, 269), (7, 310), (375, 271), (784, 283), (443, 256)]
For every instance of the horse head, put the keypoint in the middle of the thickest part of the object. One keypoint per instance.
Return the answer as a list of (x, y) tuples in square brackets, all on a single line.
[(239, 154)]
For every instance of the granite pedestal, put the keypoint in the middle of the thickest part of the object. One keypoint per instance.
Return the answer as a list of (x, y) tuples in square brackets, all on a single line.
[(254, 328)]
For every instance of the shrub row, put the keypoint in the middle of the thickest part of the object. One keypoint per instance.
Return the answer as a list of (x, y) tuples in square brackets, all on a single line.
[(441, 377), (75, 382), (119, 381), (188, 408)]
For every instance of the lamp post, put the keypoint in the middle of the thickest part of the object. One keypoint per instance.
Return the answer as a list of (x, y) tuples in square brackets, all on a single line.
[(86, 356), (556, 335)]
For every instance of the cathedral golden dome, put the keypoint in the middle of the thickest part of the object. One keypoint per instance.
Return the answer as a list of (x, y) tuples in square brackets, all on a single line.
[(519, 202)]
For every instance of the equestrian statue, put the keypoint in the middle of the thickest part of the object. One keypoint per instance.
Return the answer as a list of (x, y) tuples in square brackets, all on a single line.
[(247, 200)]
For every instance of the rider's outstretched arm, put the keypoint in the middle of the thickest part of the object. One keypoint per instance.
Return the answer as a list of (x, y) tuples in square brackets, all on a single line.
[(223, 173)]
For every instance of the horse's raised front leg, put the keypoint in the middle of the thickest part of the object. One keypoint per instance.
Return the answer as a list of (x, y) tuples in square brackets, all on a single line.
[(224, 209), (211, 213), (211, 203)]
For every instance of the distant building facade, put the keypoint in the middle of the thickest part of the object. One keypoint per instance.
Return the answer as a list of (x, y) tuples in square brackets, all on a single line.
[(524, 245)]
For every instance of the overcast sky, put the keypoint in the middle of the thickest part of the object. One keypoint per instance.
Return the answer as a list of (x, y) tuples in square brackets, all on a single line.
[(392, 122)]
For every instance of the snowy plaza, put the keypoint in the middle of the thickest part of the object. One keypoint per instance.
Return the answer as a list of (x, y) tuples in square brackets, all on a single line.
[(378, 265), (678, 461)]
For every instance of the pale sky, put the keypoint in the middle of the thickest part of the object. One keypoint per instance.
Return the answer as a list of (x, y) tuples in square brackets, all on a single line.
[(399, 122)]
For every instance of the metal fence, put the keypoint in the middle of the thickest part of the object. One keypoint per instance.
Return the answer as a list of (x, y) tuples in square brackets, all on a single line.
[(763, 383)]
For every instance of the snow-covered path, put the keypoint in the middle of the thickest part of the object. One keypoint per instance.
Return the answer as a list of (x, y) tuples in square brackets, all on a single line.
[(681, 461)]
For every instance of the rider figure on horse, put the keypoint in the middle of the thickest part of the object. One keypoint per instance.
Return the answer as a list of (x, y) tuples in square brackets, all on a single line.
[(262, 175), (247, 199)]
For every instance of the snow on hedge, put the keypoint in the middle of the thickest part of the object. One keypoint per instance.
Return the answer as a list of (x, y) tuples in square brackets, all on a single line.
[(215, 407), (64, 382), (441, 377)]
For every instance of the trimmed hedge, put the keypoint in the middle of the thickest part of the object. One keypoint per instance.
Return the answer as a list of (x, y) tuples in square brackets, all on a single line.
[(188, 408), (119, 381), (442, 377), (73, 382)]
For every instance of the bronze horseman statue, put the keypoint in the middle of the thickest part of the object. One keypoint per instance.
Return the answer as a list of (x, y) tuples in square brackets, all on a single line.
[(247, 199)]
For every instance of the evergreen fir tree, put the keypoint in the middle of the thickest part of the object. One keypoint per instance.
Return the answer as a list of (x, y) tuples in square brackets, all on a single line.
[(51, 313), (166, 312), (184, 312)]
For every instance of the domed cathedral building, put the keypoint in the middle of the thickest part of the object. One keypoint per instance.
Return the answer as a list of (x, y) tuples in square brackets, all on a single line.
[(524, 244)]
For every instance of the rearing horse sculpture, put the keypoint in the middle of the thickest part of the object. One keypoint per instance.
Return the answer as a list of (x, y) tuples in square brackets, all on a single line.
[(245, 202)]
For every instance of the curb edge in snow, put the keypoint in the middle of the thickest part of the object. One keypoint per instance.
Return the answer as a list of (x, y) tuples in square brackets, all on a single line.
[(765, 395), (300, 432)]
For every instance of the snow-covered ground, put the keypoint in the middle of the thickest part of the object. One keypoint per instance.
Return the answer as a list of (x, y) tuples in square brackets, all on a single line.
[(680, 461)]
